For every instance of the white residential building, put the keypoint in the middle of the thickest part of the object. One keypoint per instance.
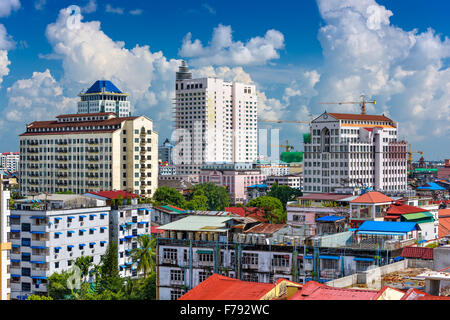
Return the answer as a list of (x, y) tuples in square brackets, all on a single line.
[(216, 120), (49, 233), (293, 181), (89, 152), (272, 168), (354, 150), (104, 96), (9, 161), (5, 244)]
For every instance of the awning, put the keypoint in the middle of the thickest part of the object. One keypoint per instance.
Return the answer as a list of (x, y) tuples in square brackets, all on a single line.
[(92, 215), (83, 216), (58, 248), (71, 217), (83, 230), (363, 259), (57, 219), (14, 216), (329, 257), (103, 241), (69, 246), (82, 245), (15, 231), (92, 229), (91, 243), (15, 260), (37, 217), (38, 247), (307, 257), (382, 233), (142, 222), (71, 231), (38, 277), (204, 251), (398, 258), (129, 237), (15, 275), (141, 209), (37, 232), (103, 228), (38, 262), (58, 232), (103, 214), (15, 246), (130, 223)]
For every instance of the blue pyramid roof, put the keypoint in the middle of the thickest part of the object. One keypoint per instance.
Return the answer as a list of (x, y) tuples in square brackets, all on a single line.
[(103, 86)]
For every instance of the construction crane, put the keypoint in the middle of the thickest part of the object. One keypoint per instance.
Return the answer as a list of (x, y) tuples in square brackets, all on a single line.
[(362, 103), (288, 147), (410, 157)]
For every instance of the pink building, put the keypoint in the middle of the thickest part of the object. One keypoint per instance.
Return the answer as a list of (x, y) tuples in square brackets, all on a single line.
[(444, 172), (236, 177)]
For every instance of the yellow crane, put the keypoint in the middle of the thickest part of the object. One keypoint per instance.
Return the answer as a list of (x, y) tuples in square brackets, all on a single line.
[(362, 103), (410, 156), (288, 147)]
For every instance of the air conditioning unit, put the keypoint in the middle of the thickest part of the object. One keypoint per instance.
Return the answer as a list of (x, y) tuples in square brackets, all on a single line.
[(168, 261)]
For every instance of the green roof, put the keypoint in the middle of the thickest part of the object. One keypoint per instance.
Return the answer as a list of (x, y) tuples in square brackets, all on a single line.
[(171, 208), (291, 157), (428, 217), (198, 223)]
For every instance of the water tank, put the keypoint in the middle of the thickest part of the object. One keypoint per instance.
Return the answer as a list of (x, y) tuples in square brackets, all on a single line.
[(172, 234), (197, 236), (190, 235), (204, 236), (179, 235), (216, 237), (210, 236)]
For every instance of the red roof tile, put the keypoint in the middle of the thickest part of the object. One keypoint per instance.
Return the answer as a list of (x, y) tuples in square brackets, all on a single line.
[(400, 208), (444, 226), (218, 287), (154, 229), (115, 194), (316, 291), (78, 115), (372, 197), (256, 213), (413, 294), (351, 116), (443, 213), (417, 253)]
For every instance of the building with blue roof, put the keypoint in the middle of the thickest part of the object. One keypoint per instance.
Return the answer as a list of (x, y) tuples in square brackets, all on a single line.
[(104, 96), (388, 230)]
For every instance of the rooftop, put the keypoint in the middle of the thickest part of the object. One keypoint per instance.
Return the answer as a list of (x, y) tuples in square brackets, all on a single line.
[(398, 208), (218, 287), (372, 197), (114, 194), (324, 196), (103, 86), (316, 291), (387, 226), (266, 228), (351, 116), (198, 223), (417, 253)]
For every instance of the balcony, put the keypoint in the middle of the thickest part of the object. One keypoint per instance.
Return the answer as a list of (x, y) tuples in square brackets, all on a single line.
[(61, 142), (93, 159), (93, 150), (92, 142)]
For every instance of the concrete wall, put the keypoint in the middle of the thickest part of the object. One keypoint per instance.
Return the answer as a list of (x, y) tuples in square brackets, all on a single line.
[(419, 263), (373, 276), (441, 258), (343, 282)]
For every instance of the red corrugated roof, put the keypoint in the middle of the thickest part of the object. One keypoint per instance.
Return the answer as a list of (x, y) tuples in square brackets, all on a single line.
[(413, 294), (400, 208), (266, 228), (218, 287), (417, 253), (372, 197), (78, 115), (351, 116), (154, 229), (316, 291), (256, 213), (444, 226), (115, 194), (443, 213)]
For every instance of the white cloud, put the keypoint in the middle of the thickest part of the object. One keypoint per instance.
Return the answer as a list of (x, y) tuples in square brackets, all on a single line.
[(6, 43), (40, 4), (224, 51), (90, 7), (208, 8), (111, 9), (7, 6), (136, 12), (40, 96), (403, 70)]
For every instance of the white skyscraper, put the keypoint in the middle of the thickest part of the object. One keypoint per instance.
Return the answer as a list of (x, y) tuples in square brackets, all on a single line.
[(219, 120), (104, 96)]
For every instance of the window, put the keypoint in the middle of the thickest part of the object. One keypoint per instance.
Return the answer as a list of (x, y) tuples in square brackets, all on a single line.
[(329, 264), (205, 257), (280, 261), (26, 286), (176, 293), (170, 254), (250, 258), (176, 275), (362, 265), (203, 275), (56, 265), (26, 227)]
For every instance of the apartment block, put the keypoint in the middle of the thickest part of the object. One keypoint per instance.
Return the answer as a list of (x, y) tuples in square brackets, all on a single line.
[(5, 245), (216, 120), (9, 161), (49, 233), (104, 96), (89, 152), (354, 150)]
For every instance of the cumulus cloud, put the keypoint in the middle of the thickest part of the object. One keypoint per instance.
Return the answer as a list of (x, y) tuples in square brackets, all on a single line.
[(6, 43), (404, 70), (40, 4), (224, 51), (7, 6), (40, 96), (90, 7), (112, 9)]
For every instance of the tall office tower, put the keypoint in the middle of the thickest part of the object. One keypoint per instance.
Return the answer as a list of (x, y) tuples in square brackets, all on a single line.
[(217, 121), (89, 152), (354, 151), (165, 152), (9, 161), (103, 96), (5, 244)]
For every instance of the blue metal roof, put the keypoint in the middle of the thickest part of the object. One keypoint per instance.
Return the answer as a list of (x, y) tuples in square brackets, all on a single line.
[(258, 186), (330, 218), (388, 226), (103, 86), (431, 186)]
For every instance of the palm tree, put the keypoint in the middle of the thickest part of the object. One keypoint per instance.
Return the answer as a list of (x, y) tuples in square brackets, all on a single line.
[(84, 263), (145, 254)]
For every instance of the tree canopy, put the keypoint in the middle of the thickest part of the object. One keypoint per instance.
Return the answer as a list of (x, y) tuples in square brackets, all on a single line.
[(167, 195), (273, 208), (217, 196), (284, 193)]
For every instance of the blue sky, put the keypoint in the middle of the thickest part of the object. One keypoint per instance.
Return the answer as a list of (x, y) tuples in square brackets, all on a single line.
[(307, 51)]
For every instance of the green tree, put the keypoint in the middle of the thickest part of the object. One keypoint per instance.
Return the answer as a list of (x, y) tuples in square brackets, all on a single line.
[(218, 197), (198, 202), (145, 254), (57, 285), (273, 208), (107, 273), (148, 288), (84, 263), (284, 193), (38, 297), (167, 195)]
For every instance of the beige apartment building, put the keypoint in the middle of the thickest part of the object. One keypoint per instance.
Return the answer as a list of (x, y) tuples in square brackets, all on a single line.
[(89, 152)]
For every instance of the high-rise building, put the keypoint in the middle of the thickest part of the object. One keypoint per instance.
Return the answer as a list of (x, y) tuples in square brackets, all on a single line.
[(104, 96), (5, 244), (165, 152), (217, 121), (9, 161), (354, 150), (89, 152)]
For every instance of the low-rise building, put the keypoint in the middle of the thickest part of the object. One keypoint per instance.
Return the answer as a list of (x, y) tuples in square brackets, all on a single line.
[(369, 206), (293, 181), (256, 191), (48, 233)]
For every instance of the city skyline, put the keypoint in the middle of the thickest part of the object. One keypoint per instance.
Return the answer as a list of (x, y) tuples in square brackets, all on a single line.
[(380, 48)]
